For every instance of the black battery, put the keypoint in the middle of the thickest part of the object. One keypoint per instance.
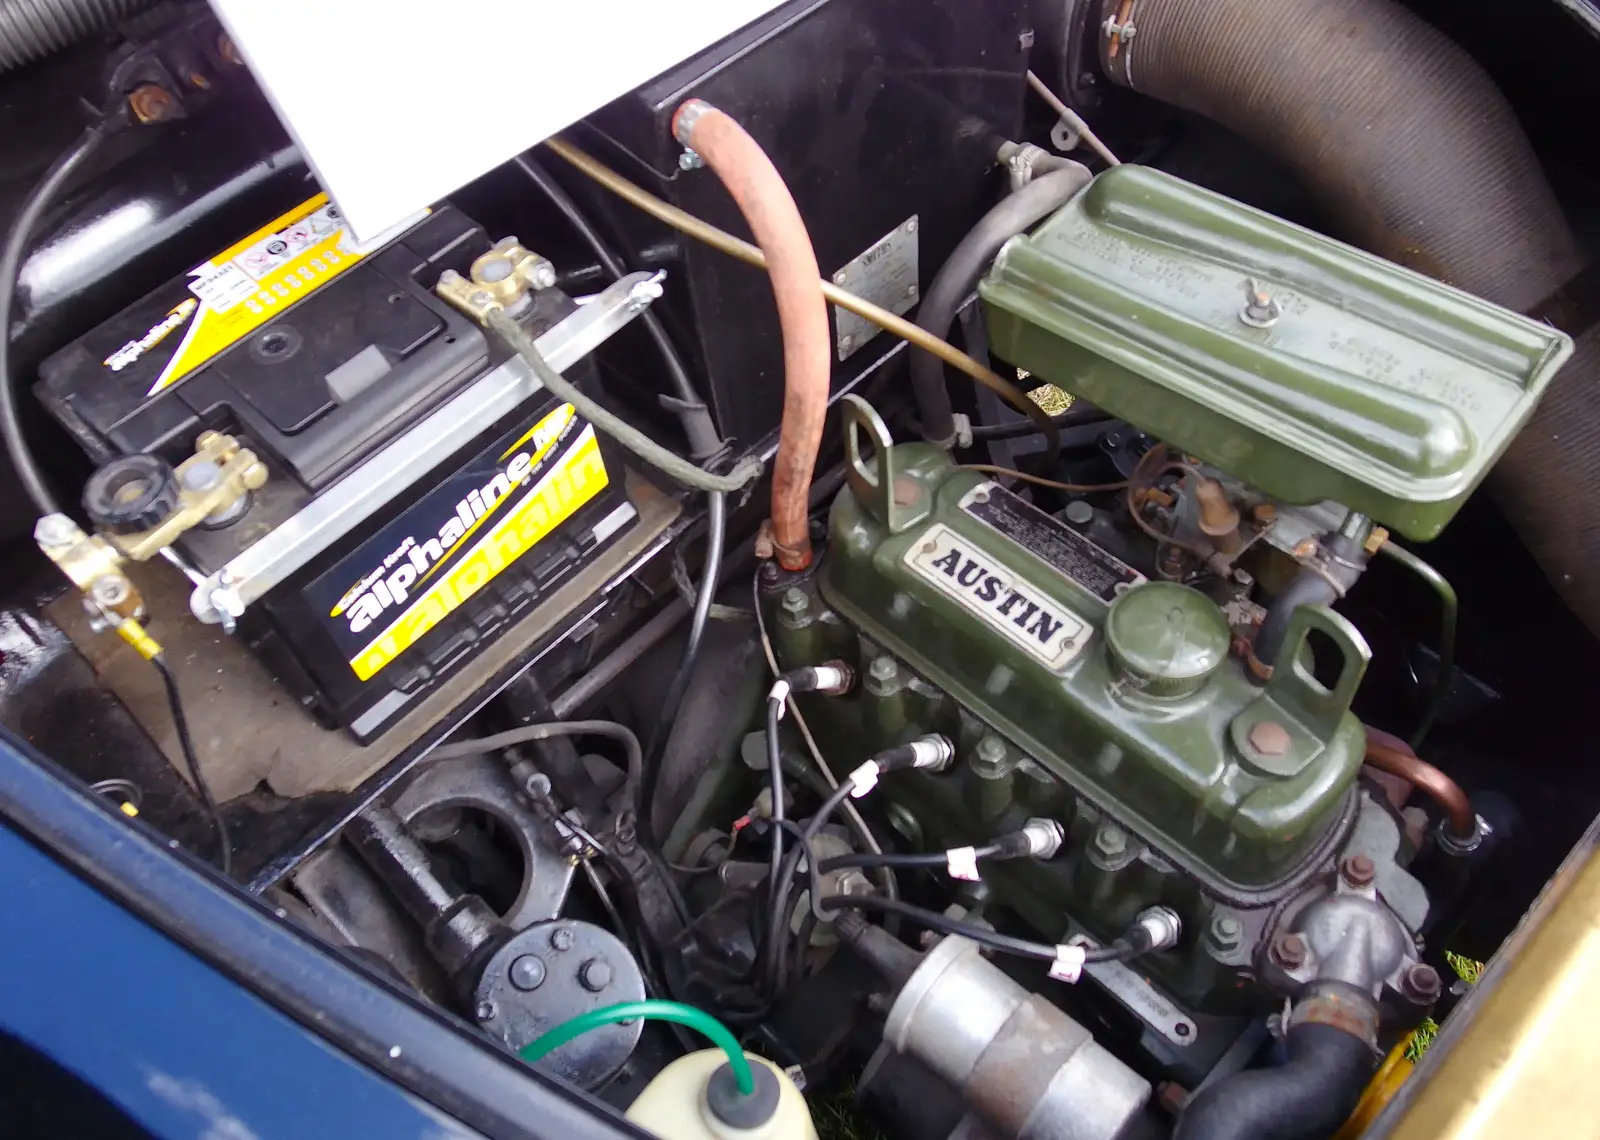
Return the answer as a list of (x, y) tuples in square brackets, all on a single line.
[(315, 353)]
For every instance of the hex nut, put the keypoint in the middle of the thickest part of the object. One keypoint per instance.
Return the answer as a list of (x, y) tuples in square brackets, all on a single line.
[(883, 669), (484, 1011), (561, 938), (795, 601), (1421, 984), (1226, 932), (1358, 871), (1269, 738), (1110, 840), (1289, 951)]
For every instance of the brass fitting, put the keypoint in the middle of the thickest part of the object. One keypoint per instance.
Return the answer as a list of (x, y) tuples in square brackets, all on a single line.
[(94, 566), (500, 279), (212, 485)]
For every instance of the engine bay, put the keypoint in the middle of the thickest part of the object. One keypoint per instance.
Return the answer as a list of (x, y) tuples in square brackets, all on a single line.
[(824, 558)]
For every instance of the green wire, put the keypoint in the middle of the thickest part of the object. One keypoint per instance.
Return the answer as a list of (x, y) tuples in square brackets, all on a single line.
[(1447, 633), (656, 1010)]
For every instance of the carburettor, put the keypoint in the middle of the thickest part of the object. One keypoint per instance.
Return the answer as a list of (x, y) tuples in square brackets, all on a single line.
[(1080, 691)]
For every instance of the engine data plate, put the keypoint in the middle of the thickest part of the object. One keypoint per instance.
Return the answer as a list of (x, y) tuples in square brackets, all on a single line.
[(1038, 624), (1054, 543), (885, 274)]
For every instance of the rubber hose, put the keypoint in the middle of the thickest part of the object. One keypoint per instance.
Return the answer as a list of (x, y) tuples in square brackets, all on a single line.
[(33, 29), (1415, 155), (1306, 1098), (958, 276), (1307, 588), (769, 209)]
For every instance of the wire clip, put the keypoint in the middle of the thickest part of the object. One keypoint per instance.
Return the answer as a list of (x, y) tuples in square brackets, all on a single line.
[(962, 863), (1068, 964), (864, 779)]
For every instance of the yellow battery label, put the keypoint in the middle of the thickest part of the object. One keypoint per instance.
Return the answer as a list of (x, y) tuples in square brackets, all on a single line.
[(570, 482), (252, 281)]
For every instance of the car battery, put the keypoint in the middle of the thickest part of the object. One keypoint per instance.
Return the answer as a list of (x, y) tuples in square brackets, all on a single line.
[(319, 354)]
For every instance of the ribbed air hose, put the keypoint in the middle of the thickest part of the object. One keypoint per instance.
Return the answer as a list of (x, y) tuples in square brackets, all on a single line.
[(32, 29), (1415, 155)]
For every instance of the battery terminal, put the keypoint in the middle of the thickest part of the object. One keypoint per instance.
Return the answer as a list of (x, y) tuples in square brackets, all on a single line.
[(503, 278)]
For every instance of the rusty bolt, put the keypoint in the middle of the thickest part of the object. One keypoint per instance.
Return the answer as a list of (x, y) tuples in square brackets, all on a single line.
[(229, 51), (1358, 871), (1269, 738), (152, 103), (1172, 1097), (1289, 951), (1421, 984), (1265, 514)]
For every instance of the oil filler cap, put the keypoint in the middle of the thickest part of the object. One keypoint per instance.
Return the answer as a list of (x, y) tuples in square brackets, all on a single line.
[(1166, 639)]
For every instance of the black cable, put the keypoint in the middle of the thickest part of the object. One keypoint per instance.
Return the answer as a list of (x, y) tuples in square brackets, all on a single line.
[(775, 775), (612, 264), (192, 760), (778, 901), (890, 859), (1118, 951), (27, 217), (716, 535)]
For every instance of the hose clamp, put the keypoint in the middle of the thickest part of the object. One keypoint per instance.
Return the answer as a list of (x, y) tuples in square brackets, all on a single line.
[(686, 117), (1458, 847)]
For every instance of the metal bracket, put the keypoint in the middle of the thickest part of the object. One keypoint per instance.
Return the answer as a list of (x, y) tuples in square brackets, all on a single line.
[(897, 500), (1307, 713), (226, 594)]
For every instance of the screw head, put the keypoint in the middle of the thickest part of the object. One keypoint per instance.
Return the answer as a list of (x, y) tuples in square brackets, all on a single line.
[(527, 972), (846, 343), (1289, 951), (1358, 871), (795, 601), (991, 750), (1421, 984), (841, 277), (1269, 738), (1109, 839), (481, 297), (883, 669), (690, 160), (152, 103), (484, 1011), (562, 938), (595, 975)]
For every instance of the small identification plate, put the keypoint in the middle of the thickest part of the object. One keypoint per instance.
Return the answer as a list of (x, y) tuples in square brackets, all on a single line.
[(1054, 543), (1142, 999), (886, 275), (1037, 624)]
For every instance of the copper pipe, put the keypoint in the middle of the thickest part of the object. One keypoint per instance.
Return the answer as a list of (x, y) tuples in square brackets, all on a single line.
[(768, 207), (741, 250), (1391, 754)]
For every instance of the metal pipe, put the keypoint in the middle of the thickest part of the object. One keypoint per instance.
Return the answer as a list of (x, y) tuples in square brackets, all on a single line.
[(769, 209), (1074, 120), (1429, 780), (1449, 607), (725, 242)]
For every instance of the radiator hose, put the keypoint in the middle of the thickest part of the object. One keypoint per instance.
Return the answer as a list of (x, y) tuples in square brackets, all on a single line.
[(1305, 1098), (32, 29), (1415, 155)]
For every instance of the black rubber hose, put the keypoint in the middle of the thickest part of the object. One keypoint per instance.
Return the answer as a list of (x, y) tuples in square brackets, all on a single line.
[(22, 227), (697, 425), (33, 29), (1306, 1098), (1412, 153), (958, 276), (1307, 588)]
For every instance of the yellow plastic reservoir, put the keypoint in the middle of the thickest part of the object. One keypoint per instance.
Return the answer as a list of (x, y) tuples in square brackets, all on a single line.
[(674, 1106)]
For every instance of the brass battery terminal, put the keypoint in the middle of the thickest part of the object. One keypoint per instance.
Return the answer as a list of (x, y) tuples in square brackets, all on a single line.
[(503, 278), (95, 567)]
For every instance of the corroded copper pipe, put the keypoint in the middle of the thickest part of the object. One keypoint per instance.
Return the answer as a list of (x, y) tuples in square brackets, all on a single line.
[(761, 195), (1390, 754)]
